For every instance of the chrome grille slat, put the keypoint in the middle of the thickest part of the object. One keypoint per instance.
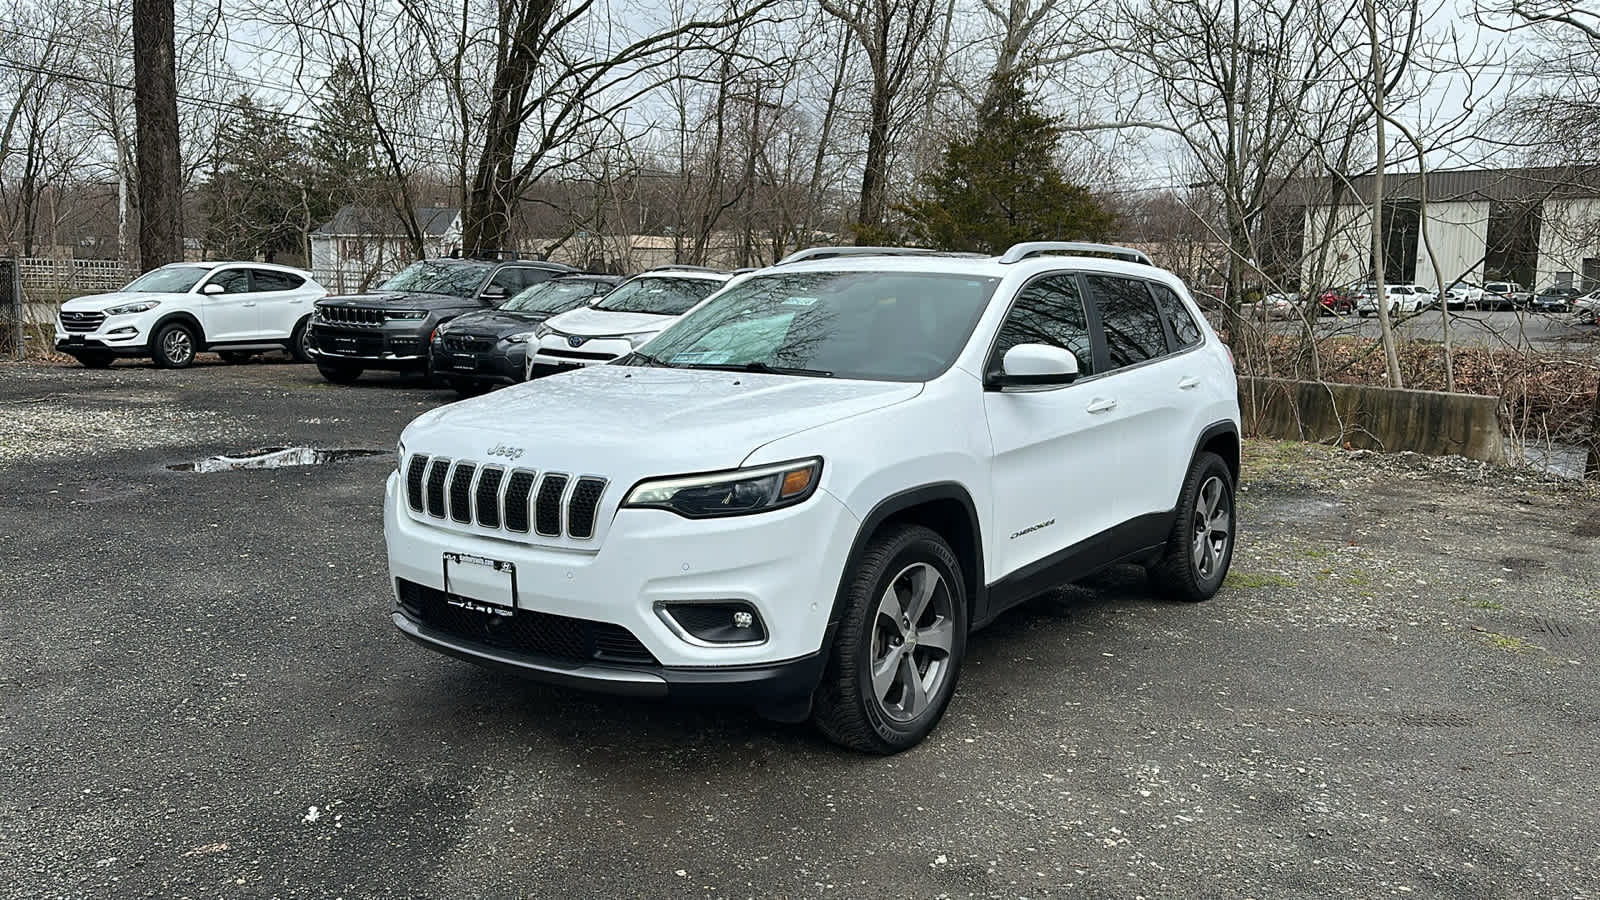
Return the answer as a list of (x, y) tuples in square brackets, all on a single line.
[(547, 507), (438, 469), (583, 505), (519, 487), (81, 321), (351, 315), (486, 496), (461, 492), (415, 472)]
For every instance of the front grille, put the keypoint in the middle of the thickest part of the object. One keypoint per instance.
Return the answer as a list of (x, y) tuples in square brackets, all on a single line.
[(351, 315), (467, 343), (576, 354), (81, 322), (547, 509), (461, 492), (518, 500), (535, 633)]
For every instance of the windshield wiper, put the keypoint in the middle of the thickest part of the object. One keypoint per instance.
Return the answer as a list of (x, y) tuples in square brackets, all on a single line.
[(762, 368), (645, 359)]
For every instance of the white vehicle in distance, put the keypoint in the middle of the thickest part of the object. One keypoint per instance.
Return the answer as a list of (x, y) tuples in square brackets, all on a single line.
[(170, 314), (618, 323), (1403, 299), (806, 493)]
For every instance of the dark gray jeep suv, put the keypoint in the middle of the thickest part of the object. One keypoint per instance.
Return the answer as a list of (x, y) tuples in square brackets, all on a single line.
[(390, 328)]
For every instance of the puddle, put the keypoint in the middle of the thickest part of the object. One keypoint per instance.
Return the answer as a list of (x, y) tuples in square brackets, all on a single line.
[(273, 458)]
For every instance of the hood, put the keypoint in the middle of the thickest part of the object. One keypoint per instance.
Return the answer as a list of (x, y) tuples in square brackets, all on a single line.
[(626, 423), (496, 322), (587, 320), (101, 302), (400, 300)]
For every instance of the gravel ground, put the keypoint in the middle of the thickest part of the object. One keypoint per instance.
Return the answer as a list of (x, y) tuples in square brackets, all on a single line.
[(202, 696)]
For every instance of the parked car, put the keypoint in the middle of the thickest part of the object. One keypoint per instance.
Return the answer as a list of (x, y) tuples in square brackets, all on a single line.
[(1403, 299), (1555, 299), (1463, 296), (1275, 306), (781, 500), (1504, 295), (479, 350), (617, 324), (391, 327), (1427, 297), (1336, 302), (1588, 307), (169, 314)]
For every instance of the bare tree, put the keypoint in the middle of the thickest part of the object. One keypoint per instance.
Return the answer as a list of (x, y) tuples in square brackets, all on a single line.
[(155, 101)]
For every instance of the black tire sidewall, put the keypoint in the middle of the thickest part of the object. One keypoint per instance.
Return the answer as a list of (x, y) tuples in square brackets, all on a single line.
[(158, 352), (1205, 466), (297, 340), (912, 546)]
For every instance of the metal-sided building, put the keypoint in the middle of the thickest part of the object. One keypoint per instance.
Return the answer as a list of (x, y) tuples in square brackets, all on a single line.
[(1539, 227)]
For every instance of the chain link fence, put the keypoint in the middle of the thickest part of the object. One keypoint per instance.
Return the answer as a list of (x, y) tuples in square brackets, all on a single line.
[(32, 289)]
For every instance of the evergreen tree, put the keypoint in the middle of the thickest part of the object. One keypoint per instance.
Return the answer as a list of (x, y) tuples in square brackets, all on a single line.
[(255, 200), (1001, 185), (343, 155)]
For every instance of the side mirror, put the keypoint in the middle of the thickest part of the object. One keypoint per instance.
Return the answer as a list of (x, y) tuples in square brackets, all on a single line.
[(213, 289), (1035, 365), (495, 294)]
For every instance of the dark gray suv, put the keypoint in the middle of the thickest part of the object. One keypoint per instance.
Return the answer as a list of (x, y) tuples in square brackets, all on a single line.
[(390, 328)]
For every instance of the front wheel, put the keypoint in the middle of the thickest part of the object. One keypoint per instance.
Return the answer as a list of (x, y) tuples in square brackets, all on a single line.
[(1200, 546), (897, 655), (300, 341), (174, 346), (339, 373)]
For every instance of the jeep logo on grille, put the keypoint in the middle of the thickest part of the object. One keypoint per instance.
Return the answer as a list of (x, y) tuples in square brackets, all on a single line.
[(502, 450), (576, 340)]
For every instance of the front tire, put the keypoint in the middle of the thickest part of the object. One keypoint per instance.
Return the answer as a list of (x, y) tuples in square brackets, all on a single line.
[(339, 373), (897, 655), (174, 346), (1200, 547)]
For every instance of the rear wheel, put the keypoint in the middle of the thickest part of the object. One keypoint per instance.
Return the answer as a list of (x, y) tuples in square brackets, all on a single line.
[(894, 664), (300, 341), (174, 346), (92, 360), (339, 373), (1200, 546)]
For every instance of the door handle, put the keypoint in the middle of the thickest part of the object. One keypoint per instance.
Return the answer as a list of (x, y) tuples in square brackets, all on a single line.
[(1102, 405), (1188, 383), (247, 305)]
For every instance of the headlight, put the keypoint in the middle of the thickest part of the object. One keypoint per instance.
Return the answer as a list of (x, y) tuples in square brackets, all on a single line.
[(128, 309), (399, 456), (521, 337), (405, 314), (732, 493)]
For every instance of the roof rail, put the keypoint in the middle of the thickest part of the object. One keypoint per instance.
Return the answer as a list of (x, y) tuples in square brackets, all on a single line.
[(488, 255), (1020, 252), (680, 267), (835, 252)]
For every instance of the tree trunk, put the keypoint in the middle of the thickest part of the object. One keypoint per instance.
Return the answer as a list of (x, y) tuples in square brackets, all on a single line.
[(155, 103), (1391, 356), (874, 178)]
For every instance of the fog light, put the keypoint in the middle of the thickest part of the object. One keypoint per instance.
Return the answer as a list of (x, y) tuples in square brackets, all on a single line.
[(126, 329), (714, 622)]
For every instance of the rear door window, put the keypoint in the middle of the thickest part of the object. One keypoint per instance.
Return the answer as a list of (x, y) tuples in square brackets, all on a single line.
[(1185, 332), (265, 280), (1129, 319)]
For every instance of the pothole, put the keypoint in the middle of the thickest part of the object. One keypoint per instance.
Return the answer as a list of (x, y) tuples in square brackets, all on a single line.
[(273, 458)]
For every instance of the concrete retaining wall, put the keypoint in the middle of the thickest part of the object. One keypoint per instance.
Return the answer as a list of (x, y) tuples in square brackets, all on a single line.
[(1374, 418)]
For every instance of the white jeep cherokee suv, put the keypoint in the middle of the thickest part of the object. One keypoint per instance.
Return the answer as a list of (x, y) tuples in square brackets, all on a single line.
[(806, 493), (171, 313), (630, 314)]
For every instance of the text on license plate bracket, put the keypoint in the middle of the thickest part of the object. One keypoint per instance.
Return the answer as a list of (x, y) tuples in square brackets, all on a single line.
[(480, 584)]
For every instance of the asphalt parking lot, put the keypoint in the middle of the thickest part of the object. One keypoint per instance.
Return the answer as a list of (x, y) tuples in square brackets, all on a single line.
[(202, 696)]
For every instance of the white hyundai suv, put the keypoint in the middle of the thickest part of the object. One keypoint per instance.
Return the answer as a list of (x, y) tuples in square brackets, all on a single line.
[(806, 494), (171, 313), (630, 314)]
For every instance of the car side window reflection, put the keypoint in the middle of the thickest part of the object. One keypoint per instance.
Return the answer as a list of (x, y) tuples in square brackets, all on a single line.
[(1183, 324), (1048, 310), (1129, 318), (232, 281)]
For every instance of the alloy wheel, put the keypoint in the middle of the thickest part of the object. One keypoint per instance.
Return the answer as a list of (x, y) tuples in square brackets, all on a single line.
[(178, 346), (912, 633), (1213, 522)]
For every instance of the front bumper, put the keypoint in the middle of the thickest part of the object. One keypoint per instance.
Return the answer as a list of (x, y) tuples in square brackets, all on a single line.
[(504, 364), (385, 347), (785, 564)]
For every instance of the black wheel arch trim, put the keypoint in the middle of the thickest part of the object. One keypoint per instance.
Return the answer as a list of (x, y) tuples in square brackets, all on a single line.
[(899, 502), (188, 319), (1216, 430)]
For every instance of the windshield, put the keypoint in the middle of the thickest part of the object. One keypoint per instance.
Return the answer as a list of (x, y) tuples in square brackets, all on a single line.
[(553, 297), (456, 279), (659, 296), (167, 280), (901, 326)]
